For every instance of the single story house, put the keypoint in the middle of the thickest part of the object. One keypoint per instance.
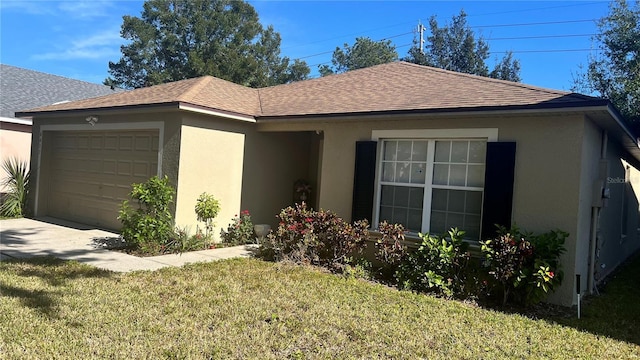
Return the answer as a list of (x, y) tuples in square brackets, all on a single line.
[(424, 147), (24, 89)]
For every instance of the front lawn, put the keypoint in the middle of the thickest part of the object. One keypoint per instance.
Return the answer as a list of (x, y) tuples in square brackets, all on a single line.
[(246, 308)]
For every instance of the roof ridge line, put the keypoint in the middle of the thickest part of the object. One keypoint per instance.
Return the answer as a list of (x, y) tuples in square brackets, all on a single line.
[(260, 101), (193, 90), (490, 79)]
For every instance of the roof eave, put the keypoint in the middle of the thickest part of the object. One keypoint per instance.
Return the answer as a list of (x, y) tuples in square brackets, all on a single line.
[(216, 112), (97, 110), (620, 130), (484, 110), (174, 105), (11, 120)]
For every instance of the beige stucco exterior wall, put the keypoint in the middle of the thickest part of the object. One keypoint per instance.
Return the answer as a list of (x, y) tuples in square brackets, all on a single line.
[(273, 162), (547, 175), (243, 168), (210, 161), (253, 166), (549, 146), (15, 142)]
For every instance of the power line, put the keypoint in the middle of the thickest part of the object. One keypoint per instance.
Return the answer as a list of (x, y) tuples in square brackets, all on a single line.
[(542, 51), (540, 37), (468, 15), (536, 9), (536, 23), (502, 38), (328, 62), (486, 26), (314, 55), (500, 52), (331, 51), (395, 36), (349, 35), (498, 25)]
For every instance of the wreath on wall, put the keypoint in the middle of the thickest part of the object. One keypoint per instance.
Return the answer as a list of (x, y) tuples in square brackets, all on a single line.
[(301, 191)]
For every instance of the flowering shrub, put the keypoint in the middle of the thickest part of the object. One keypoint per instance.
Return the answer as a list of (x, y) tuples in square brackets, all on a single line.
[(389, 247), (390, 251), (507, 257), (321, 238), (439, 265), (240, 231), (525, 266), (183, 241)]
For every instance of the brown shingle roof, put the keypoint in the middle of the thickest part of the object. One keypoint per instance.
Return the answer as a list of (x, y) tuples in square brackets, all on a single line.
[(205, 91), (397, 86), (402, 86)]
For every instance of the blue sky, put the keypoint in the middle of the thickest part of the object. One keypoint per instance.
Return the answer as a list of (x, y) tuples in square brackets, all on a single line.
[(78, 38)]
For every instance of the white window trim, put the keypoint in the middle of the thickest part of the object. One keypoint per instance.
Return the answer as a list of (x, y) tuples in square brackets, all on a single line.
[(488, 134), (146, 125)]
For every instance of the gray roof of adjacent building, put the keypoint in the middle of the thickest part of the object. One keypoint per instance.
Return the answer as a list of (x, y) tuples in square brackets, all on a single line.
[(22, 89)]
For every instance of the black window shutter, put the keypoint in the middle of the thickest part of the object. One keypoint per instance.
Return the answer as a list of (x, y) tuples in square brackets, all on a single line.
[(498, 187), (364, 180)]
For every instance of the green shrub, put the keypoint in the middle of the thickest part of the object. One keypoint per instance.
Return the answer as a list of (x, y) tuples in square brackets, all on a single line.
[(207, 208), (358, 268), (240, 231), (439, 265), (149, 226), (525, 266), (14, 202), (320, 238)]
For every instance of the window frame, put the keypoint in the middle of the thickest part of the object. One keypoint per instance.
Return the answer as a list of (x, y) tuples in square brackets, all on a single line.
[(431, 136)]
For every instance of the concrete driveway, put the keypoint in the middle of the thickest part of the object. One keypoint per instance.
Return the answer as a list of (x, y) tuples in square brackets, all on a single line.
[(24, 238)]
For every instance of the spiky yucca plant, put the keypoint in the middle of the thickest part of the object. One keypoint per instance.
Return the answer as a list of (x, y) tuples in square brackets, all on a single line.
[(16, 183)]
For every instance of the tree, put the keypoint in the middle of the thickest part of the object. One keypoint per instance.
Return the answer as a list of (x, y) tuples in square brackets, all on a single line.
[(455, 47), (175, 40), (364, 53), (507, 69), (616, 73)]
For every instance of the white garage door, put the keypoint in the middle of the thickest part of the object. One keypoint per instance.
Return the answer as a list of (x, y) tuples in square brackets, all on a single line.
[(91, 172)]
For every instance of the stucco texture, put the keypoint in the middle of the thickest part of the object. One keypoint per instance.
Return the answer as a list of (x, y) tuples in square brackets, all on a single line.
[(547, 175), (242, 168), (15, 143)]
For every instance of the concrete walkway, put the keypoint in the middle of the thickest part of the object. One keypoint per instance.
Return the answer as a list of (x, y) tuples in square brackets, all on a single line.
[(24, 238)]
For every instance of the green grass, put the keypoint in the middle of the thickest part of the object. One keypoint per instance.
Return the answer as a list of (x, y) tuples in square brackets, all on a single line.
[(616, 312), (246, 308)]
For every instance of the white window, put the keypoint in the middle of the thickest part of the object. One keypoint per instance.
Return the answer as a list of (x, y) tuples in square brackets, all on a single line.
[(432, 185)]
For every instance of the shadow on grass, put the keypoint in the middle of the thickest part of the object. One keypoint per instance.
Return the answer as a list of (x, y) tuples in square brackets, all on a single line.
[(615, 313), (18, 281)]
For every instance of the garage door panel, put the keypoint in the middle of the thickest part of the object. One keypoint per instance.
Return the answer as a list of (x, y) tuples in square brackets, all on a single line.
[(92, 172), (125, 143), (140, 168), (84, 210), (97, 143)]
